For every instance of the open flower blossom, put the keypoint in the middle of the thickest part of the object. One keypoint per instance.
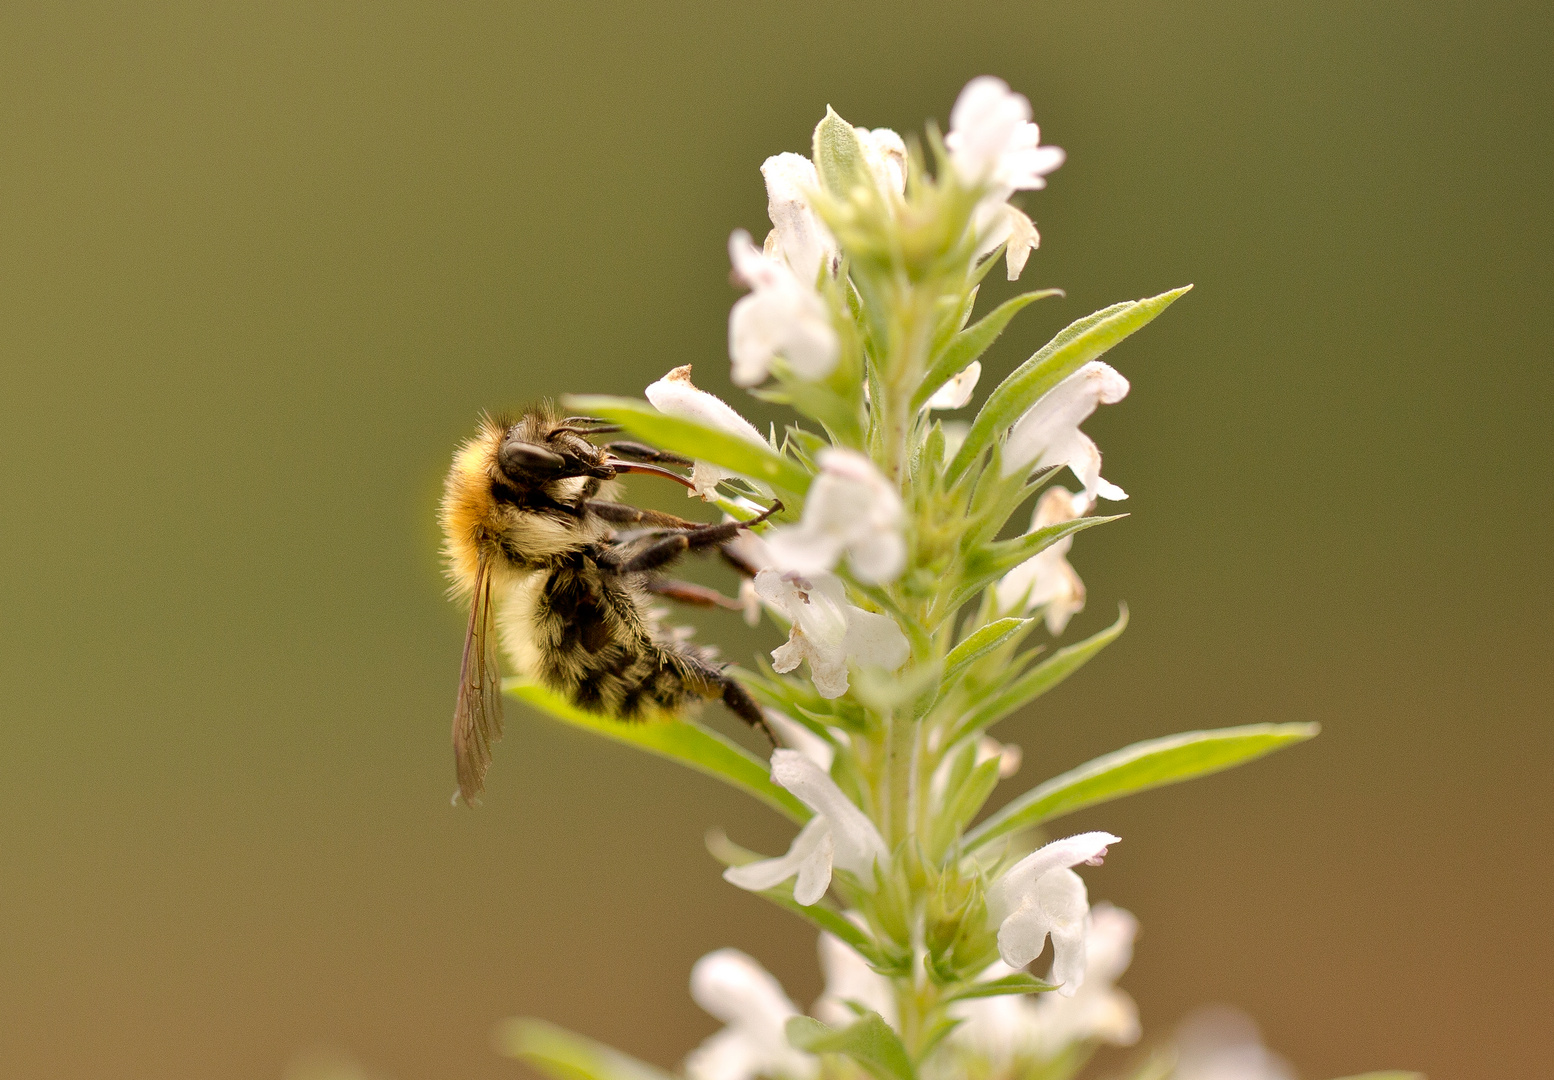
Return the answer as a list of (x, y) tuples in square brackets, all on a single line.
[(851, 508), (838, 835), (955, 393), (781, 314), (849, 978), (1041, 1027), (744, 995), (1041, 895), (885, 154), (676, 395), (1046, 581), (827, 631), (993, 142), (1048, 434)]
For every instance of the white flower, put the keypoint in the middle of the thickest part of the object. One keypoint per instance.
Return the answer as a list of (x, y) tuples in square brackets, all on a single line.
[(743, 994), (780, 315), (1040, 895), (992, 140), (676, 395), (798, 235), (849, 978), (999, 223), (1046, 580), (1219, 1043), (1048, 433), (850, 509), (886, 156), (1013, 1026), (955, 393), (798, 737), (839, 834), (828, 631)]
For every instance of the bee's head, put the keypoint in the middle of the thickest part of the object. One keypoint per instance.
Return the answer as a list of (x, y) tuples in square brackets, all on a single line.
[(533, 453)]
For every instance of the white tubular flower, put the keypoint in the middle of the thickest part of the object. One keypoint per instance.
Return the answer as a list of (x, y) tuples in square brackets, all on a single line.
[(676, 395), (1041, 895), (1048, 433), (782, 314), (955, 393), (798, 235), (1099, 1012), (1220, 1043), (838, 835), (828, 631), (743, 994), (850, 978), (886, 156), (992, 140), (800, 738), (1046, 580), (850, 509), (998, 223)]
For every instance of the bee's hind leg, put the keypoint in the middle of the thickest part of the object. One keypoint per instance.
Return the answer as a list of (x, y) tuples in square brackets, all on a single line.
[(686, 592)]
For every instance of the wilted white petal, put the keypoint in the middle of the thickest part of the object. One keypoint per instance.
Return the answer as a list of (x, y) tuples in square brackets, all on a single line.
[(850, 978), (886, 156), (827, 631), (955, 393), (801, 238), (1039, 896), (1046, 580), (676, 395), (740, 992), (850, 508), (780, 315), (1048, 433)]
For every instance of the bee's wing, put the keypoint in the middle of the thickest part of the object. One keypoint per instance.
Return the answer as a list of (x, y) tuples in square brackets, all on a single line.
[(477, 720)]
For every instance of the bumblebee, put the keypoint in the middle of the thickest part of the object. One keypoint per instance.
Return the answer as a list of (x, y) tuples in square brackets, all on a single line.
[(539, 548)]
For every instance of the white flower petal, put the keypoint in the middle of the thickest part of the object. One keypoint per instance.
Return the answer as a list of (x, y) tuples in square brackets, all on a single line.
[(781, 315), (801, 738), (858, 842), (886, 156), (851, 508), (1019, 881), (815, 870), (802, 240), (850, 978), (1023, 934), (955, 393), (1046, 580), (675, 395), (811, 847), (1048, 433), (874, 640), (736, 989), (740, 992)]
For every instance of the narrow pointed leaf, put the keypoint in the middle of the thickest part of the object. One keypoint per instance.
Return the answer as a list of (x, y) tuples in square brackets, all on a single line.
[(694, 440), (564, 1055), (990, 562), (1041, 678), (1018, 983), (978, 644), (839, 159), (1065, 354), (870, 1042), (971, 343), (1139, 767), (678, 739)]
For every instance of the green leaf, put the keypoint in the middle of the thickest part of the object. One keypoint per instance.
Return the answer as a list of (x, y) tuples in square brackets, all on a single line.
[(675, 738), (966, 802), (870, 1042), (1018, 983), (971, 343), (978, 644), (564, 1055), (986, 564), (1075, 346), (1139, 767), (694, 440), (839, 159), (1041, 678)]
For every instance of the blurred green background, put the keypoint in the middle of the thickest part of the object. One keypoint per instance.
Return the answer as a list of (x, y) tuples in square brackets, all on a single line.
[(261, 265)]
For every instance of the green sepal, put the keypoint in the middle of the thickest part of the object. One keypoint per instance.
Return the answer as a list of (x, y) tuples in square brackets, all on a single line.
[(1075, 346), (870, 1042), (1140, 767), (565, 1055), (1041, 678), (971, 343), (986, 564), (839, 160), (695, 440), (1018, 983), (676, 738)]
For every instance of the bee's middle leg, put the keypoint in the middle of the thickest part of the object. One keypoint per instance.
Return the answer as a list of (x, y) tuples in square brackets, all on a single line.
[(687, 592), (672, 545)]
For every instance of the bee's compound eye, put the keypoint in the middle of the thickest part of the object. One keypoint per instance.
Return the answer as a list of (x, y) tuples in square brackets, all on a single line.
[(523, 461)]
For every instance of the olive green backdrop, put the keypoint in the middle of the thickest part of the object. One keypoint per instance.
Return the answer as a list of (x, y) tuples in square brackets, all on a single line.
[(260, 266)]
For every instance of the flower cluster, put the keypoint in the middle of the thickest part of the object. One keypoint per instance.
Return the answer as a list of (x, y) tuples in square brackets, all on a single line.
[(908, 613)]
